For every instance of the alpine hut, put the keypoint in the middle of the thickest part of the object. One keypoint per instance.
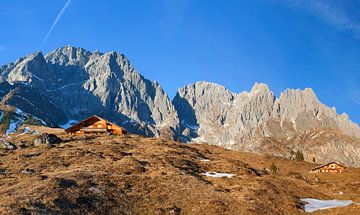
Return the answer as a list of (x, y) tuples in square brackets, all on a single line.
[(332, 167), (95, 124)]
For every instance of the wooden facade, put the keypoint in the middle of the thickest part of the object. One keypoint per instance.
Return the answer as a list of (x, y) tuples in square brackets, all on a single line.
[(333, 167), (95, 124)]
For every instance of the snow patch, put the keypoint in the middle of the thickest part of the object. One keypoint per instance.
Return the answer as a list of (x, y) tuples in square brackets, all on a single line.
[(71, 84), (193, 127), (19, 112), (25, 131), (70, 123), (204, 160), (37, 77), (36, 132), (318, 204), (218, 174), (42, 121), (198, 140), (14, 125)]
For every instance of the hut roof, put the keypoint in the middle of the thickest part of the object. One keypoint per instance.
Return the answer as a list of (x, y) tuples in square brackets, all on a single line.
[(337, 163), (87, 121)]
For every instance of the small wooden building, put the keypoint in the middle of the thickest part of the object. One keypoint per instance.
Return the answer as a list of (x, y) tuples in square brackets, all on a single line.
[(332, 167), (95, 124)]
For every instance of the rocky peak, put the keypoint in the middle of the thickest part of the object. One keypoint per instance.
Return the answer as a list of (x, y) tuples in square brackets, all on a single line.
[(208, 97), (31, 69), (68, 55), (260, 88), (295, 101), (82, 83)]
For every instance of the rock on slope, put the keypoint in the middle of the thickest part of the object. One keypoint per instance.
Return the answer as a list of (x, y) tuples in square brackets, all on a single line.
[(257, 121), (72, 83)]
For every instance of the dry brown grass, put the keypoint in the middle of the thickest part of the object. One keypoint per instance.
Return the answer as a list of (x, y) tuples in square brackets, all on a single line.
[(136, 175)]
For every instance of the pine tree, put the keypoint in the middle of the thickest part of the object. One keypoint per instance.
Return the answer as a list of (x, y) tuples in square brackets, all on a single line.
[(299, 156), (274, 168), (314, 160)]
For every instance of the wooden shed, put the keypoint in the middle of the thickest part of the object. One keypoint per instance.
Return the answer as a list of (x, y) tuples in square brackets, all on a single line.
[(95, 124), (332, 167)]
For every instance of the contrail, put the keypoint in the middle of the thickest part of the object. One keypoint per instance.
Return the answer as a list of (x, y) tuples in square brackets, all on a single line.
[(58, 17)]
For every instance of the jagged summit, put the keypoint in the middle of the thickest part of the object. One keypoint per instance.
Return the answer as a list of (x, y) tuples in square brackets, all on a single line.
[(258, 121), (258, 87)]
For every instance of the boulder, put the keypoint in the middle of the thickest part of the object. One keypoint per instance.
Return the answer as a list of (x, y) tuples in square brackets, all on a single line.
[(186, 132), (8, 146), (46, 138)]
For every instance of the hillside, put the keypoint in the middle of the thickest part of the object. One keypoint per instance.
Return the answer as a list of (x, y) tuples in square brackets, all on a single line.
[(136, 175)]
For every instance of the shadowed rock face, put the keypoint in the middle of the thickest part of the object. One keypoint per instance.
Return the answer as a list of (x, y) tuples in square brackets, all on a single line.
[(81, 83), (257, 121)]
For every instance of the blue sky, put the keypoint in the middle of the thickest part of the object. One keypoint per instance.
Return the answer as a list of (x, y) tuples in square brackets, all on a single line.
[(284, 43)]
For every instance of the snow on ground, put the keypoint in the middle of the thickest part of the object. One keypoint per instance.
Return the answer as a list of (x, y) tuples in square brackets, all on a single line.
[(40, 79), (19, 111), (318, 204), (35, 132), (198, 140), (218, 174), (14, 125), (25, 131), (71, 84), (70, 123), (42, 121), (193, 127), (204, 160)]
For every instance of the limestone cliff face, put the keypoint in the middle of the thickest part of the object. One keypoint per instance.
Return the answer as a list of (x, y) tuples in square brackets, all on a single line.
[(217, 115), (82, 83), (257, 121)]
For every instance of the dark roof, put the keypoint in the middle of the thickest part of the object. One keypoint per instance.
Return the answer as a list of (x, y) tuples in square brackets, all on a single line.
[(87, 119), (318, 167)]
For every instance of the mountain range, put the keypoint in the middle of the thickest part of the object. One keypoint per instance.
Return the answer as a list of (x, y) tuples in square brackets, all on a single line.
[(69, 84)]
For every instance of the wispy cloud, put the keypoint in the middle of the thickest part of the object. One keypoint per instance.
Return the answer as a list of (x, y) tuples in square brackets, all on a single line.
[(57, 19), (351, 82), (354, 96), (335, 13)]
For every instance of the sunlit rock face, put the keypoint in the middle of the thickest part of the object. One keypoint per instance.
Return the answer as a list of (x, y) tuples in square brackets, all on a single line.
[(259, 122)]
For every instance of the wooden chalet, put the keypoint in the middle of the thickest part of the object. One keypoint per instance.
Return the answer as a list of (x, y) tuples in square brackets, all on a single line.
[(95, 124), (333, 167)]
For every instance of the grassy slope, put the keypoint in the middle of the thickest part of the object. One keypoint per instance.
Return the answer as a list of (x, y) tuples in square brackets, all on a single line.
[(135, 175)]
